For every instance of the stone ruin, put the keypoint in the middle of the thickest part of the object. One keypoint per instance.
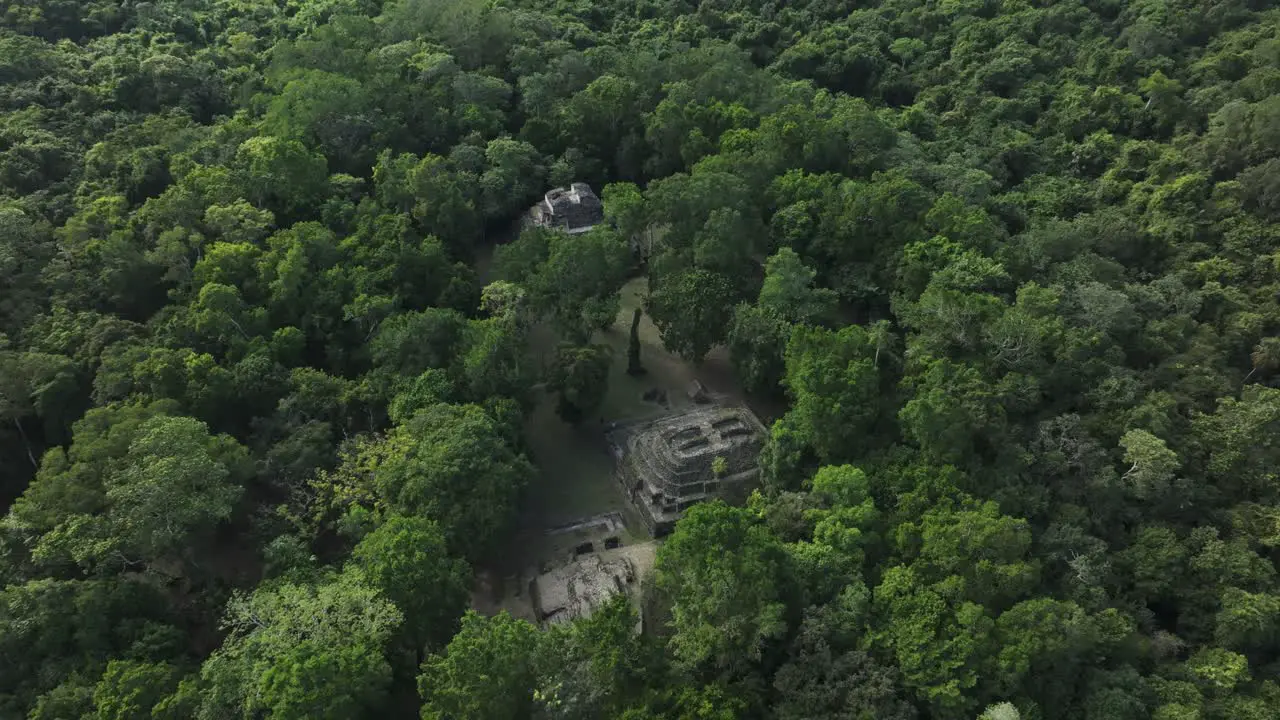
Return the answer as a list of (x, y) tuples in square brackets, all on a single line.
[(590, 566), (580, 588), (574, 209), (667, 465)]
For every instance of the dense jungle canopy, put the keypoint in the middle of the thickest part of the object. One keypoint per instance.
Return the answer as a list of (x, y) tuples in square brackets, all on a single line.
[(1011, 266)]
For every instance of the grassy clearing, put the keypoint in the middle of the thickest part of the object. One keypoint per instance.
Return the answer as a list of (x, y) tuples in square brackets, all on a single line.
[(576, 469), (575, 477)]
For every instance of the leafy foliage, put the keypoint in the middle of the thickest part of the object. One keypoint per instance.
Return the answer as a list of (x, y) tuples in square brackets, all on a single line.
[(1008, 270), (581, 376), (292, 649), (486, 671)]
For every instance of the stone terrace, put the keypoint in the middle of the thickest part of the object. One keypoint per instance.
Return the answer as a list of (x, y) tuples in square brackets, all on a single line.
[(668, 464)]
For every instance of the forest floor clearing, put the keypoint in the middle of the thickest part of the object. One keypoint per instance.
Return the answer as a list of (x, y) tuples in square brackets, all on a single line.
[(576, 472)]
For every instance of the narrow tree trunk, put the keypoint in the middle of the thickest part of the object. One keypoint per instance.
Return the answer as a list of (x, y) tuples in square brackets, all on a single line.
[(633, 347), (26, 444), (239, 329)]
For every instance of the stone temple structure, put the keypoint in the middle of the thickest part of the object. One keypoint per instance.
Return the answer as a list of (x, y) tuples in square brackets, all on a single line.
[(669, 464), (574, 209)]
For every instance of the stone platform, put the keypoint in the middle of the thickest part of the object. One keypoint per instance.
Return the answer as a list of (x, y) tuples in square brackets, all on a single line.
[(670, 463)]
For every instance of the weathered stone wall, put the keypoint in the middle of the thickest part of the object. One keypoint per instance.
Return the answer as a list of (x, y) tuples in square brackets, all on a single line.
[(581, 587), (573, 208), (669, 464)]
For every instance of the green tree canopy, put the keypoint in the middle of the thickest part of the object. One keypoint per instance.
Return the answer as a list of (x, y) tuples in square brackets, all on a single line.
[(288, 645), (726, 577), (406, 559)]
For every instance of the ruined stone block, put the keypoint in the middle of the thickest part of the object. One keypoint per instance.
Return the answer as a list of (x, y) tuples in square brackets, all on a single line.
[(573, 209), (672, 463)]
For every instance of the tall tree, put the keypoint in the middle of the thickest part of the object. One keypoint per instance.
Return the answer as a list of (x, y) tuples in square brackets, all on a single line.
[(137, 487), (450, 463), (581, 376), (726, 577), (486, 672), (789, 293), (835, 386), (692, 309), (297, 651), (406, 559)]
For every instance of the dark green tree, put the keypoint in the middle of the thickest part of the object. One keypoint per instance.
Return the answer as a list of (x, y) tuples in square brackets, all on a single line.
[(406, 559), (726, 577), (692, 310), (487, 671), (581, 377)]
